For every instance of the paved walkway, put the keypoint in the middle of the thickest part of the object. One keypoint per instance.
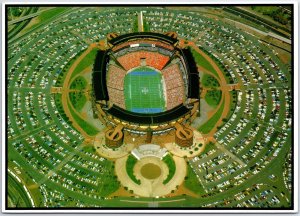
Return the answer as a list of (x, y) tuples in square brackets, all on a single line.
[(188, 151), (101, 149)]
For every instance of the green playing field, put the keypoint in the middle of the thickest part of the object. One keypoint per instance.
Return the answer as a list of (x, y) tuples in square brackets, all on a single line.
[(144, 91)]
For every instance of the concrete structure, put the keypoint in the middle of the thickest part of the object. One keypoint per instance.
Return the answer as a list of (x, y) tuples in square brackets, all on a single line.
[(114, 137), (183, 136)]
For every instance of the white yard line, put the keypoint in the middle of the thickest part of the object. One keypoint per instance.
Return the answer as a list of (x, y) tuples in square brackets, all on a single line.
[(150, 93)]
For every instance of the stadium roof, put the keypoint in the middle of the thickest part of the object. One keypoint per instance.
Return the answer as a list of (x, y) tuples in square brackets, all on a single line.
[(99, 76), (126, 37), (193, 75)]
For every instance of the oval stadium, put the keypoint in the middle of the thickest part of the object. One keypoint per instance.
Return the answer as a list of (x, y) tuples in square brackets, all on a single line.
[(145, 84)]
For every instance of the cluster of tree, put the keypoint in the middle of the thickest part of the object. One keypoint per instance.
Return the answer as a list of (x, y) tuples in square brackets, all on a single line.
[(260, 21), (16, 11), (278, 14)]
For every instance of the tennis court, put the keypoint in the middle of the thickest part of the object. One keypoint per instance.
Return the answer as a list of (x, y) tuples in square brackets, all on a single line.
[(143, 91)]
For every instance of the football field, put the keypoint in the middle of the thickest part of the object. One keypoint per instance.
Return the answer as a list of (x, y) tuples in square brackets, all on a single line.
[(144, 91)]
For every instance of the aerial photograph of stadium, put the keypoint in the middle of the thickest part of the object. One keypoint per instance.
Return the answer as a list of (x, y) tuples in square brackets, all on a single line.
[(184, 107)]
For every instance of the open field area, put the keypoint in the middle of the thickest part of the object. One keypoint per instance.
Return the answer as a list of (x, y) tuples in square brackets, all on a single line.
[(17, 196), (64, 139)]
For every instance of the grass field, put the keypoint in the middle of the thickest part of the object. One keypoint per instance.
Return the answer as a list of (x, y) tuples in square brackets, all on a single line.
[(213, 97), (88, 60), (16, 194), (88, 128), (209, 125), (45, 16), (200, 60), (209, 146), (192, 182), (172, 167), (209, 81), (79, 83), (78, 100), (58, 104), (136, 27), (144, 91), (131, 161)]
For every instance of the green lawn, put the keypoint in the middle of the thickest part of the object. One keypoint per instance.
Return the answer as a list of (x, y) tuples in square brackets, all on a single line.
[(17, 196), (209, 81), (207, 126), (79, 83), (172, 167), (278, 14), (200, 60), (233, 100), (209, 146), (131, 161), (109, 182), (136, 26), (87, 61), (51, 13), (78, 100), (265, 9), (88, 128), (144, 91), (109, 185), (146, 26), (213, 97), (192, 183), (47, 15), (89, 149)]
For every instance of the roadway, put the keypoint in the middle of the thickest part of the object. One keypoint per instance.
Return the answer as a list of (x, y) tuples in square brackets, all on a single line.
[(29, 16), (271, 34)]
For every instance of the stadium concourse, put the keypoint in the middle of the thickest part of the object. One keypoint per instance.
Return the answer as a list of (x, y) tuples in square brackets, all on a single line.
[(73, 142)]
